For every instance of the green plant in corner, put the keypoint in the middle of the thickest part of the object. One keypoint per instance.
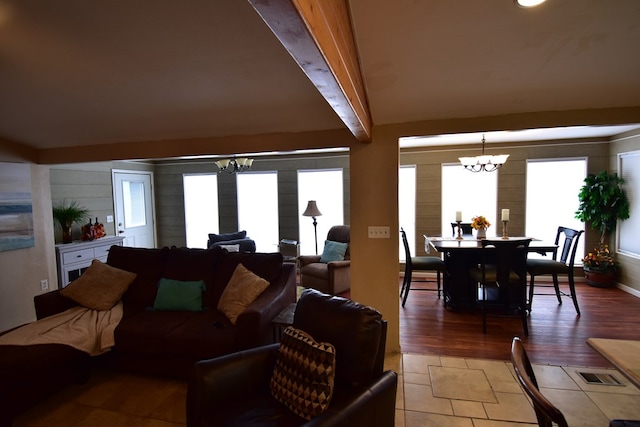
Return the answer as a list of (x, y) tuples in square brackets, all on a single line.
[(602, 203), (68, 213)]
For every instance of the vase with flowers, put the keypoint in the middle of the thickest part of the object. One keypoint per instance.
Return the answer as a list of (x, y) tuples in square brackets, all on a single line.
[(481, 224)]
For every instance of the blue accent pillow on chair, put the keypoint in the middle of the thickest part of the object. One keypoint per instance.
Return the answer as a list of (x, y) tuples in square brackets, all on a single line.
[(333, 251)]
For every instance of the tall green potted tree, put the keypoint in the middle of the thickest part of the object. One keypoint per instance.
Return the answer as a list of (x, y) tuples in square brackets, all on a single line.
[(67, 214), (603, 202)]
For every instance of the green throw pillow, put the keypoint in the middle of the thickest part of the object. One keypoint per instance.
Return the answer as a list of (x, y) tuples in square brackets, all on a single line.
[(177, 295), (333, 251)]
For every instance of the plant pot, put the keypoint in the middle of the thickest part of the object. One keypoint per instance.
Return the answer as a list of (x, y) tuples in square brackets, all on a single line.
[(600, 279), (66, 235)]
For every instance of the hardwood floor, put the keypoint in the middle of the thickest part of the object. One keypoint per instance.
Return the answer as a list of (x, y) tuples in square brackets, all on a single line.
[(556, 334)]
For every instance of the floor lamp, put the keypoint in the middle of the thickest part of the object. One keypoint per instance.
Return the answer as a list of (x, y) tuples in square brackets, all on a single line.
[(313, 212)]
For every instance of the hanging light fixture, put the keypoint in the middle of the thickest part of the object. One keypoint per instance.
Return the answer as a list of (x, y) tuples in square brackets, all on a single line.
[(483, 163), (241, 164)]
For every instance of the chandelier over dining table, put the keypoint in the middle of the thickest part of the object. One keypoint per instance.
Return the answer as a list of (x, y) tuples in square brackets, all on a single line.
[(233, 165), (483, 162)]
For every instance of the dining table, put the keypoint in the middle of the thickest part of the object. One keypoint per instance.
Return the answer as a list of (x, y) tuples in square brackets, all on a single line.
[(624, 355), (460, 256)]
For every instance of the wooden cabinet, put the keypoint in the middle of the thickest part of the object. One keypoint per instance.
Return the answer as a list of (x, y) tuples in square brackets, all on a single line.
[(73, 259)]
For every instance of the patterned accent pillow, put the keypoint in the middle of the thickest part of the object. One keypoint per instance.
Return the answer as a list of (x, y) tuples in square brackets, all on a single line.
[(303, 376), (333, 251)]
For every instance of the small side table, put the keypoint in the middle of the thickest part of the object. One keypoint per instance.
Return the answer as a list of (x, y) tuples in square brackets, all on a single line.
[(282, 320)]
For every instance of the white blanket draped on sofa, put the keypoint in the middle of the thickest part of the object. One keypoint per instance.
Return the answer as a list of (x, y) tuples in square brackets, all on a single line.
[(87, 330)]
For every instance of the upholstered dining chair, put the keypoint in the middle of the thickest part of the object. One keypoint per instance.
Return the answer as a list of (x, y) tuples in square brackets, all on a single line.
[(239, 390), (419, 263), (331, 277), (557, 266), (502, 276)]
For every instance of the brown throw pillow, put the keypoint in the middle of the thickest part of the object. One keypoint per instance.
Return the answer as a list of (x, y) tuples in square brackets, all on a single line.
[(303, 377), (100, 287), (243, 289)]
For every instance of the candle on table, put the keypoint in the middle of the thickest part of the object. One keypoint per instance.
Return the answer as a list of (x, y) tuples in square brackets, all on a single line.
[(505, 214), (458, 215)]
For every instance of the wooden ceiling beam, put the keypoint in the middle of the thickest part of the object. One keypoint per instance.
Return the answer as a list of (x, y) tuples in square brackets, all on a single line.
[(318, 35)]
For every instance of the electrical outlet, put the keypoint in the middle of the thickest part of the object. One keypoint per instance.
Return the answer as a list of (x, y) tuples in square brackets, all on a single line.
[(109, 218), (44, 284), (379, 232)]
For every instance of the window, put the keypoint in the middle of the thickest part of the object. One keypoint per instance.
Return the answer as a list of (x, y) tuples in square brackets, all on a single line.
[(258, 208), (407, 206), (325, 187), (552, 198), (200, 208), (472, 194)]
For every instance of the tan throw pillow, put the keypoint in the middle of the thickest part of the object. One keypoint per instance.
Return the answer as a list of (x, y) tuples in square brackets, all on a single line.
[(100, 287), (304, 374), (243, 289)]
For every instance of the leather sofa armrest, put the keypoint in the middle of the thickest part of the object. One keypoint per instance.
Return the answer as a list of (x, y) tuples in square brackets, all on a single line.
[(254, 325), (308, 259), (51, 303), (218, 383), (371, 406)]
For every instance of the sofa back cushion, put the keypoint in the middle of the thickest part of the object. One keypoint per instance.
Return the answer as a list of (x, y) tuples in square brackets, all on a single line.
[(215, 238), (190, 264), (148, 264)]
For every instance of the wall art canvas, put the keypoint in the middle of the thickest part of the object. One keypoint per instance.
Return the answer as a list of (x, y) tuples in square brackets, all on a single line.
[(16, 209)]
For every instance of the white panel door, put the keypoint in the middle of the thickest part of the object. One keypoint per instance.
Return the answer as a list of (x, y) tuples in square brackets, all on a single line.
[(134, 213)]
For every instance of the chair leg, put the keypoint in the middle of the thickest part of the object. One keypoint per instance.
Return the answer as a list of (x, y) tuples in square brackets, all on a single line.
[(439, 287), (557, 287), (572, 289), (530, 303), (407, 278)]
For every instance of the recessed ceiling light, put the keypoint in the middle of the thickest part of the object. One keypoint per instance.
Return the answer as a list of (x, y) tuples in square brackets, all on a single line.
[(529, 3)]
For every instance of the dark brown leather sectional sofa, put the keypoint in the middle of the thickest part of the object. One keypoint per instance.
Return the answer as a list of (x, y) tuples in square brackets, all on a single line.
[(148, 341)]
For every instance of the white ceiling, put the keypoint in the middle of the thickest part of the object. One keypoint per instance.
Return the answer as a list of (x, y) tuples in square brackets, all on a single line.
[(76, 72)]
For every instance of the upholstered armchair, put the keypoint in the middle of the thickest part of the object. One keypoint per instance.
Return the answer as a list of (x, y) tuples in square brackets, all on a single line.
[(237, 389), (333, 277)]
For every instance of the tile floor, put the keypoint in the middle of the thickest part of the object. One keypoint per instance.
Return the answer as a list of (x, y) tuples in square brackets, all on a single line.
[(432, 391)]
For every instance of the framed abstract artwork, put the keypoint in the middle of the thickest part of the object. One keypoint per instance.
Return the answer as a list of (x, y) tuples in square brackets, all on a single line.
[(16, 211)]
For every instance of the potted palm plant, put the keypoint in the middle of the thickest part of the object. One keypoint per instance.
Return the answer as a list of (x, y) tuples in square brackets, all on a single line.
[(67, 214), (603, 202)]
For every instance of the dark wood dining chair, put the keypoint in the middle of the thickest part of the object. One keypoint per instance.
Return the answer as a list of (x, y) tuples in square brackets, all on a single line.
[(557, 266), (419, 263), (502, 277), (546, 412), (465, 226)]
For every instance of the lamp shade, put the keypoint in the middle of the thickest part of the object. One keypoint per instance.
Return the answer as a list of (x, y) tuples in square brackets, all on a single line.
[(312, 209)]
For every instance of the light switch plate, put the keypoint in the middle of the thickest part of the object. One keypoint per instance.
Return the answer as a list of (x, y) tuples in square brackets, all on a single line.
[(379, 232), (109, 218)]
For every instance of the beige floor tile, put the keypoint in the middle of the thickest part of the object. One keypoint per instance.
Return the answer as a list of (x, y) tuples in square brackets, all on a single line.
[(400, 393), (493, 369), (454, 362), (511, 407), (104, 418), (393, 362), (420, 398), (173, 408), (618, 406), (461, 384), (418, 363), (465, 408), (494, 423), (577, 407), (420, 419), (511, 386), (554, 377), (413, 378)]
